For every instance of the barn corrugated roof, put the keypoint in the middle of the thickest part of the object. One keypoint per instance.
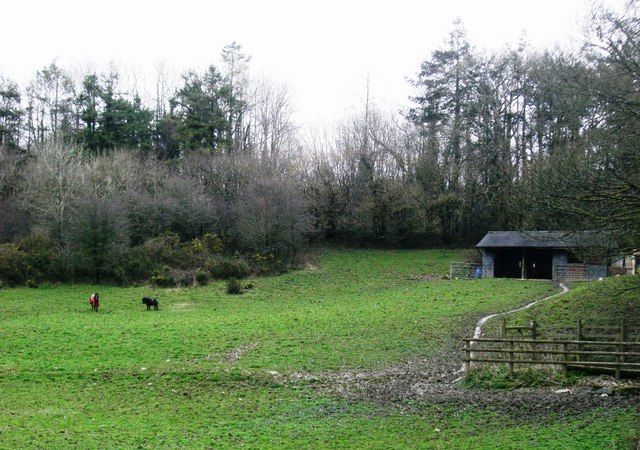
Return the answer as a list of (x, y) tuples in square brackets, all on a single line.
[(533, 239)]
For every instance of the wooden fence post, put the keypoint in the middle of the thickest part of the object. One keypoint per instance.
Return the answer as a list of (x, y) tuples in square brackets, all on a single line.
[(622, 337), (511, 357), (503, 328), (619, 359), (467, 361), (534, 330), (579, 330), (579, 338), (565, 366), (534, 336)]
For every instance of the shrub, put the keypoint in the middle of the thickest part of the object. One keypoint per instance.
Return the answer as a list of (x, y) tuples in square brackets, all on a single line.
[(212, 243), (268, 264), (229, 268), (13, 265), (165, 249), (163, 278), (202, 276), (234, 286), (184, 278), (39, 252), (138, 265)]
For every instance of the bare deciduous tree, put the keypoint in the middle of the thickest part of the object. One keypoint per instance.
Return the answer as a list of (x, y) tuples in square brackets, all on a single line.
[(271, 118), (52, 181)]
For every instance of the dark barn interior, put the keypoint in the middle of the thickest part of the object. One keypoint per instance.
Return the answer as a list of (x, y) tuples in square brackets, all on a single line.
[(538, 263)]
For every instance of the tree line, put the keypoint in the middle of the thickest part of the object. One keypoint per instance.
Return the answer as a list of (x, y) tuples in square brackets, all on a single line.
[(215, 180)]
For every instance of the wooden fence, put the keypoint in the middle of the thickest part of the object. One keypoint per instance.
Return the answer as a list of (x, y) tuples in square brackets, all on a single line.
[(601, 348), (579, 272)]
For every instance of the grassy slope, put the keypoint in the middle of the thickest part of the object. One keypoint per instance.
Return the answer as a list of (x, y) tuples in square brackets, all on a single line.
[(196, 373), (602, 303)]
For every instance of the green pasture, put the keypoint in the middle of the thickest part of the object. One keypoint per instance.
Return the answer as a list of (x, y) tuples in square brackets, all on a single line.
[(212, 370)]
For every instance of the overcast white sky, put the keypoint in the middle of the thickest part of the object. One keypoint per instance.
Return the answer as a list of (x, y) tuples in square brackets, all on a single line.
[(323, 50)]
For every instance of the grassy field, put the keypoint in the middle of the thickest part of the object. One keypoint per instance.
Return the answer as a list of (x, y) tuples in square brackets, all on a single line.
[(221, 371)]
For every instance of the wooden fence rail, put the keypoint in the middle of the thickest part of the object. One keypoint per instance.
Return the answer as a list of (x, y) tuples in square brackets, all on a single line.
[(622, 331), (620, 355)]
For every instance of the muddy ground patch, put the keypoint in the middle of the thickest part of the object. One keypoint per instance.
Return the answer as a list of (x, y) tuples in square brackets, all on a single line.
[(430, 382)]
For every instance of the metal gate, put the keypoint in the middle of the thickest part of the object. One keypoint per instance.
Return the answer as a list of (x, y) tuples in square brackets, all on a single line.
[(459, 270)]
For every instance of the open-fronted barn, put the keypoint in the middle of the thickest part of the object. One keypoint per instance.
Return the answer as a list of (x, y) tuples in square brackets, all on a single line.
[(537, 255)]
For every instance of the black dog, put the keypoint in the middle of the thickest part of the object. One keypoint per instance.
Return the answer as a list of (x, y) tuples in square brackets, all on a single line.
[(150, 302)]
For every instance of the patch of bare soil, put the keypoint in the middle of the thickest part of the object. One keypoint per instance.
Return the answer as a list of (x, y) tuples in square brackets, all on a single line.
[(430, 382), (234, 355)]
